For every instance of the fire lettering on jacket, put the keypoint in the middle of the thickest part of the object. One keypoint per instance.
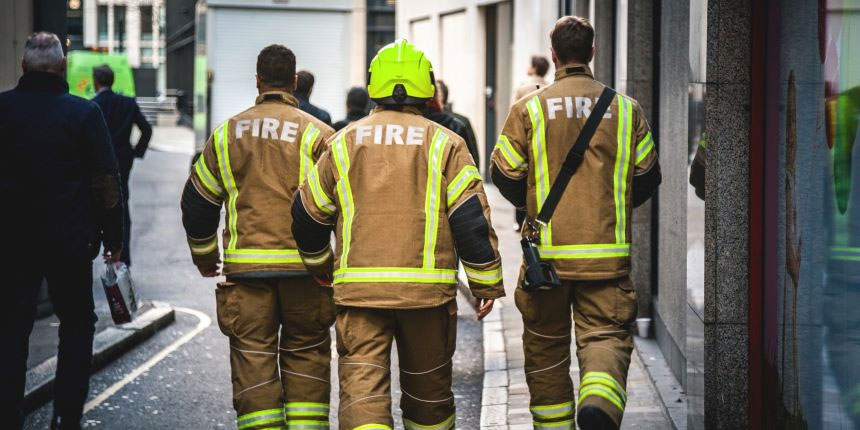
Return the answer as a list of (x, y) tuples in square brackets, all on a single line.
[(389, 134), (268, 128), (582, 107)]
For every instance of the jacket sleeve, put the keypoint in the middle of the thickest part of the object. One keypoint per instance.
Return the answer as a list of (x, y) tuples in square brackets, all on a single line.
[(471, 226), (145, 132), (201, 205), (646, 168), (320, 144), (314, 214), (104, 174), (509, 162)]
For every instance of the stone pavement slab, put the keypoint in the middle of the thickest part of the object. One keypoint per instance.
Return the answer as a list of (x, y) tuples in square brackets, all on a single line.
[(505, 402)]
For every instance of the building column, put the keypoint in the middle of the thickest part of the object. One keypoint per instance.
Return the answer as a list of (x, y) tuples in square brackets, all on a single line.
[(358, 44), (132, 32)]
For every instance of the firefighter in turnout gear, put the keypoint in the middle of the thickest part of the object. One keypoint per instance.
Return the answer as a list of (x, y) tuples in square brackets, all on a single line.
[(405, 201), (276, 316), (588, 240)]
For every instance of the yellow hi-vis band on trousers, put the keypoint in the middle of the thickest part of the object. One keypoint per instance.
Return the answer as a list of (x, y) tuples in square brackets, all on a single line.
[(304, 409), (559, 425), (461, 181), (262, 256), (432, 197), (307, 425), (845, 253), (268, 416), (541, 169), (372, 427), (514, 159), (206, 177), (321, 200), (395, 274), (223, 152), (552, 411), (643, 148), (603, 385), (444, 425), (344, 192), (484, 277), (203, 246), (622, 160), (306, 157), (599, 250)]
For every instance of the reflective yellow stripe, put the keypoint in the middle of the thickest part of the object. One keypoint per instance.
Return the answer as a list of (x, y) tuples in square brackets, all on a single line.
[(223, 153), (607, 250), (372, 427), (262, 256), (510, 154), (431, 197), (444, 425), (460, 182), (599, 390), (845, 253), (484, 277), (206, 177), (267, 416), (322, 201), (314, 260), (541, 170), (619, 178), (552, 411), (203, 248), (560, 425), (306, 157), (344, 191), (306, 425), (306, 408), (606, 379), (644, 147), (395, 274)]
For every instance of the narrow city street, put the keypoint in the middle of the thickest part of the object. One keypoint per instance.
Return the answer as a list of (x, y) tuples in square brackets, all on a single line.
[(180, 378)]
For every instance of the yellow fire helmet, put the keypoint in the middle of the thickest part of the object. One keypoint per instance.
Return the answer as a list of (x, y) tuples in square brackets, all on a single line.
[(400, 74)]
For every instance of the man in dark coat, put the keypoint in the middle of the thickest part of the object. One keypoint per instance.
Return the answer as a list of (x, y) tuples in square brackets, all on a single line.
[(304, 87), (60, 184), (471, 140), (121, 113), (356, 107)]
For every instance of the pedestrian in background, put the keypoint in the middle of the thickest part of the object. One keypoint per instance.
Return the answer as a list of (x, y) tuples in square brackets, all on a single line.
[(398, 176), (448, 108), (536, 72), (432, 110), (121, 113), (276, 316), (588, 242), (61, 184), (304, 88), (356, 107)]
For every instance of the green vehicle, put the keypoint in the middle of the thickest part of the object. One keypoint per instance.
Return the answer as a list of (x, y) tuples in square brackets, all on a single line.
[(80, 73)]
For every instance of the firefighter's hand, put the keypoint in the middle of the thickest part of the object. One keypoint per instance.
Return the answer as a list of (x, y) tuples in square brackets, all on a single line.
[(324, 279), (484, 306), (112, 256), (210, 270)]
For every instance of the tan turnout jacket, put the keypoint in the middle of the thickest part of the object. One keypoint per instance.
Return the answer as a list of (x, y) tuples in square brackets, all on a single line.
[(253, 163), (589, 235), (388, 183)]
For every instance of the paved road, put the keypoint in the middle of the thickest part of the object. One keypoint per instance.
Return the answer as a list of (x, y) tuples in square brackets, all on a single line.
[(190, 387)]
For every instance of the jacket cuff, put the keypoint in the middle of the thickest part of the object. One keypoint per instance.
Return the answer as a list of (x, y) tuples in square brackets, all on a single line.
[(486, 283), (204, 252), (319, 263)]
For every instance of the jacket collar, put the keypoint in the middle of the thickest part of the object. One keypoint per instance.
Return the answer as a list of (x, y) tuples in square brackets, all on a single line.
[(43, 81), (407, 109), (279, 97), (573, 69)]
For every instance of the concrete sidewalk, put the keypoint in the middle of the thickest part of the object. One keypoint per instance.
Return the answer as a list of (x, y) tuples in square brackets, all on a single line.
[(505, 403)]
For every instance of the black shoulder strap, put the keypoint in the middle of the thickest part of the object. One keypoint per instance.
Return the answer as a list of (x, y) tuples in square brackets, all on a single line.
[(574, 157)]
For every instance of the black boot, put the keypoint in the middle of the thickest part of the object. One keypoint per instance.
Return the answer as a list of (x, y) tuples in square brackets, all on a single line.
[(58, 423), (592, 418)]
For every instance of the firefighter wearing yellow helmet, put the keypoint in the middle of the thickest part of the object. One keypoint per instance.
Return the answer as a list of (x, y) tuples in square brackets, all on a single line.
[(406, 202)]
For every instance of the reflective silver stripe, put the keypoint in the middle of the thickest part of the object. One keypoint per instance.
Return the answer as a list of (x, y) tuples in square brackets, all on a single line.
[(246, 422), (262, 256), (317, 259), (384, 275), (552, 411), (205, 248), (510, 154)]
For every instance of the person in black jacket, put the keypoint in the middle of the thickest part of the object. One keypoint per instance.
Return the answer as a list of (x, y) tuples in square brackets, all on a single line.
[(356, 107), (61, 195), (121, 113), (471, 140), (304, 87)]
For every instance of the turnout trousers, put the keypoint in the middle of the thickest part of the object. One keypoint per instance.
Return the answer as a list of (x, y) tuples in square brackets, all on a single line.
[(603, 313), (278, 381), (426, 339)]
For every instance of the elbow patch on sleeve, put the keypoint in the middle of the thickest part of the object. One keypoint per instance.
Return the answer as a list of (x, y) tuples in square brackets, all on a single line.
[(645, 184), (471, 232), (200, 217), (311, 236), (514, 190)]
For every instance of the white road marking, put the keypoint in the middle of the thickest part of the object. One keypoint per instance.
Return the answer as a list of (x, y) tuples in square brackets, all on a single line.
[(202, 324)]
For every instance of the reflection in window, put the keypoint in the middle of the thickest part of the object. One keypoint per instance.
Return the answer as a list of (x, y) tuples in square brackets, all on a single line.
[(102, 23)]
